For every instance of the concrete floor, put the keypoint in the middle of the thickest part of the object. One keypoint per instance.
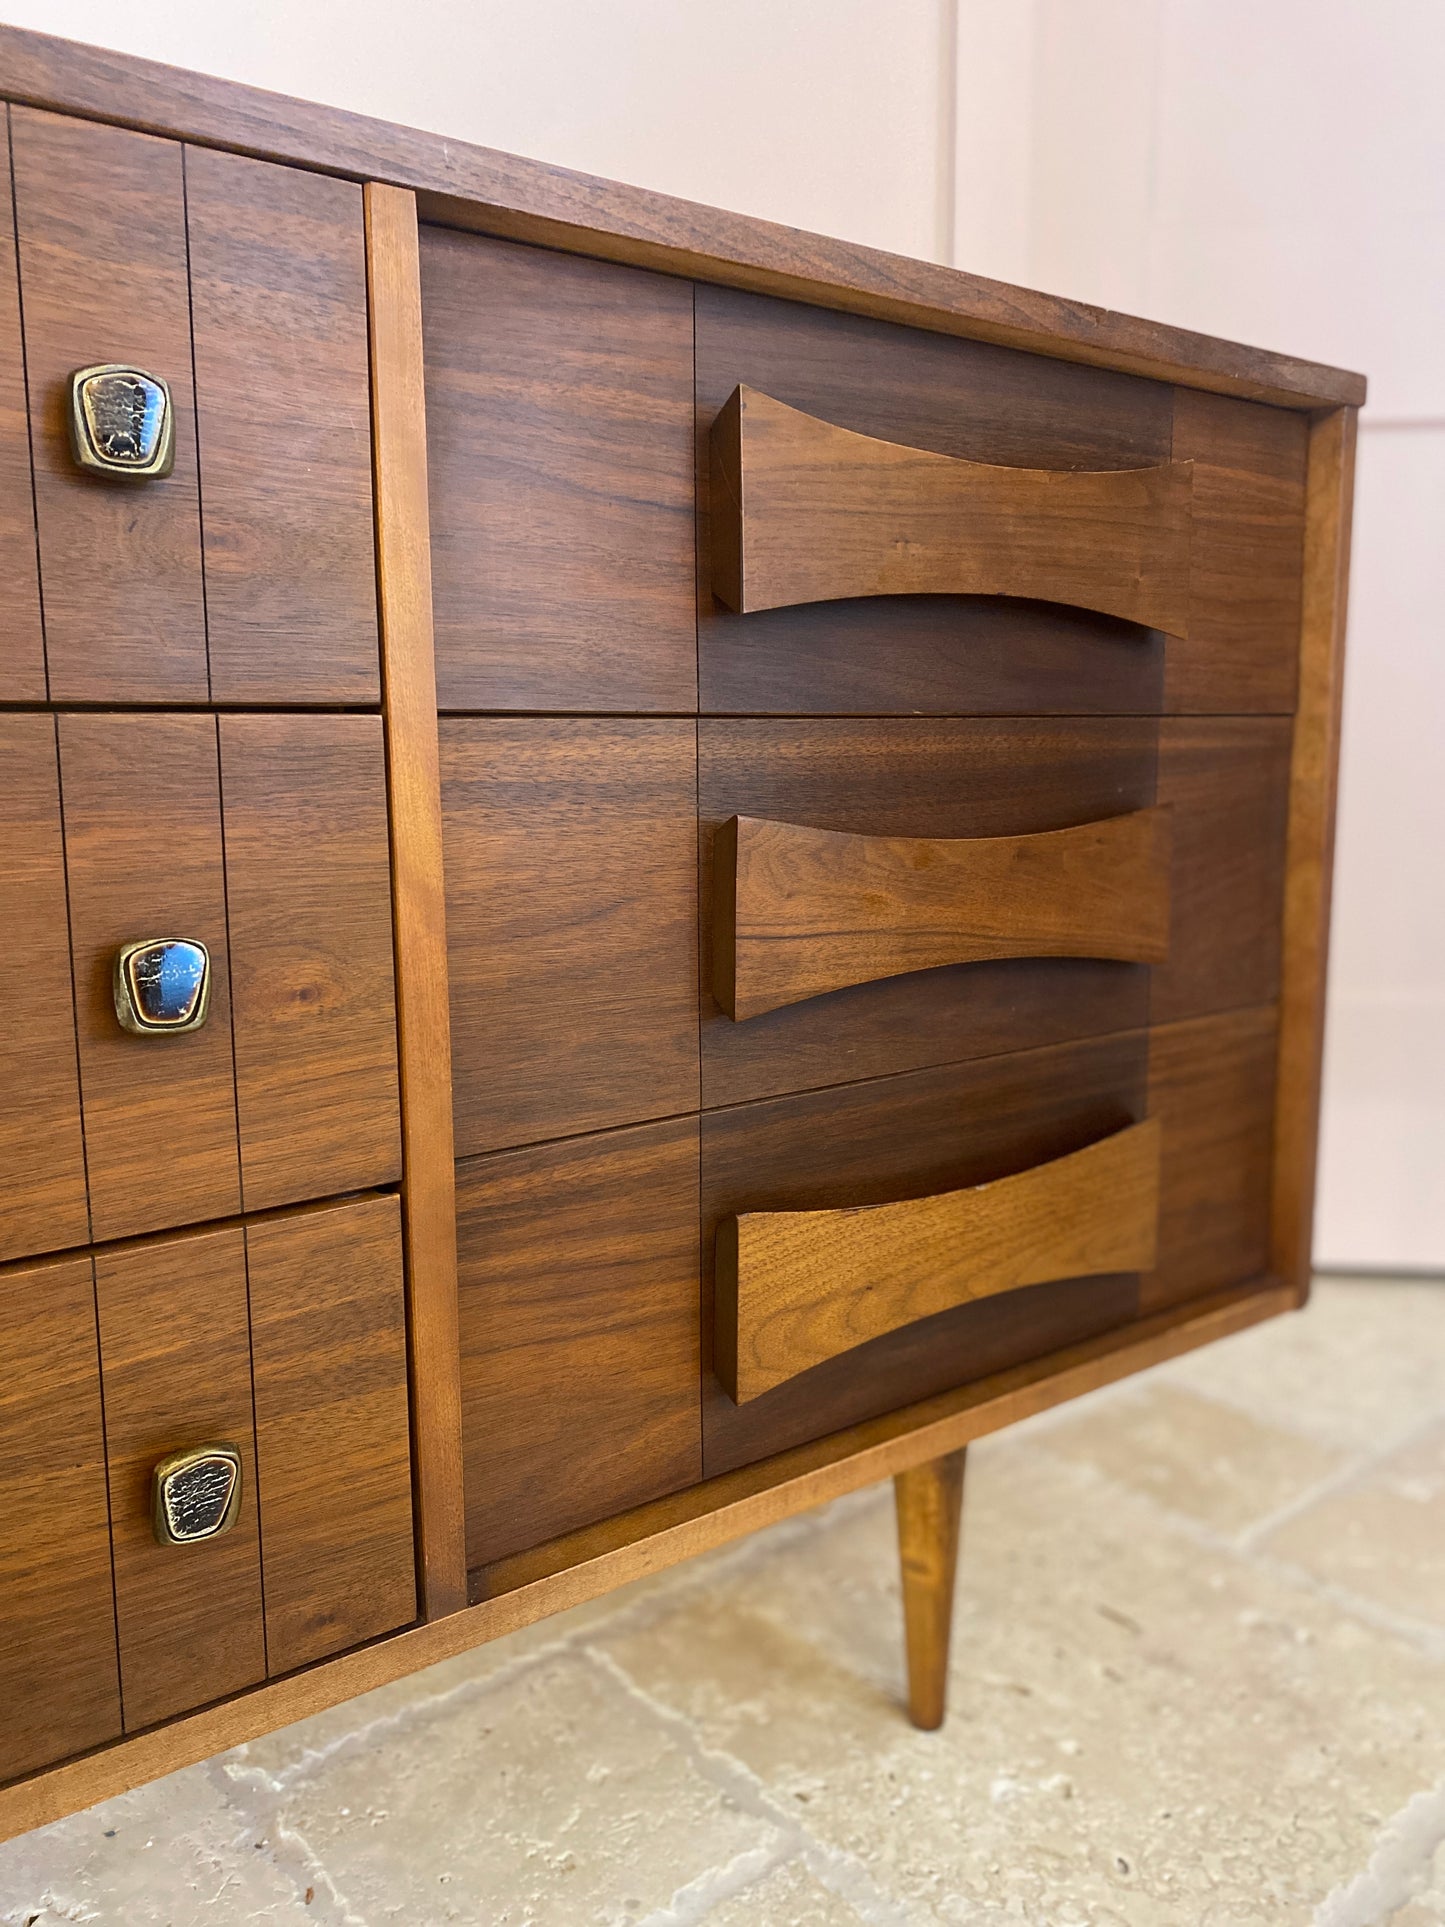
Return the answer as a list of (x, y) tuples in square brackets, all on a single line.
[(1199, 1678)]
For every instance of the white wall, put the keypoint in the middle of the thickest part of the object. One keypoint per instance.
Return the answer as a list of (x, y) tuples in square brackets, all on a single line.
[(826, 114), (1272, 170)]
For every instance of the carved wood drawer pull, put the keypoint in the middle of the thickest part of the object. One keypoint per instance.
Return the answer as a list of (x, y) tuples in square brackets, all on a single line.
[(804, 511), (795, 1288), (799, 911)]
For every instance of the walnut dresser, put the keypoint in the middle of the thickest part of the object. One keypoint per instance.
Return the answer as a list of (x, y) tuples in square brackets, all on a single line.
[(651, 869)]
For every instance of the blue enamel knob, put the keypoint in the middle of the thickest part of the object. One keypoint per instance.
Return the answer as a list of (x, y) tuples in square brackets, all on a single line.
[(162, 984)]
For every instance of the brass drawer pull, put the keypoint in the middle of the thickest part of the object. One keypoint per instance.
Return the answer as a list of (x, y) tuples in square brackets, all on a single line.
[(196, 1494), (162, 984), (122, 423)]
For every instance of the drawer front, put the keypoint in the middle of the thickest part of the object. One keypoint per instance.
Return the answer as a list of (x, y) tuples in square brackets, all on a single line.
[(58, 1679), (571, 870), (878, 896), (120, 561), (579, 1331), (252, 309), (896, 522), (279, 1340), (288, 1090)]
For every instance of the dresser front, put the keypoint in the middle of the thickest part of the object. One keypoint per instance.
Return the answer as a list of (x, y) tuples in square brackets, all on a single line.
[(864, 761)]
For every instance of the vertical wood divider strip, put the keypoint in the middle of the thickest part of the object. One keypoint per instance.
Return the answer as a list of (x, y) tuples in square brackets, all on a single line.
[(403, 552), (1314, 761)]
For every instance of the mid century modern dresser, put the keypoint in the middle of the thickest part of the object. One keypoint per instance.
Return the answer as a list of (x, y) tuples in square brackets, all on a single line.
[(651, 868)]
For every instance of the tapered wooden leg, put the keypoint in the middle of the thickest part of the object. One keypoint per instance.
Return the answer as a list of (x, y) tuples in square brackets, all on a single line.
[(930, 1503)]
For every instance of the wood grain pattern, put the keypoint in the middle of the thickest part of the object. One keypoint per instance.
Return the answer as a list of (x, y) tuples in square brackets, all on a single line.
[(796, 1288), (571, 862), (480, 188), (1212, 1086), (799, 912), (968, 399), (1309, 853), (929, 1501), (42, 1158), (908, 1137), (926, 654), (935, 655), (278, 292), (803, 510), (143, 856), (328, 1337), (560, 434), (918, 777), (1225, 782), (125, 619), (1244, 592), (579, 1266), (312, 976), (418, 890), (587, 1564), (175, 1350), (58, 1680), (22, 639)]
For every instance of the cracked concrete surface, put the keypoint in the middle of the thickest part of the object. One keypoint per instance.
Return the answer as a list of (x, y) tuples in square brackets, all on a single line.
[(1199, 1678)]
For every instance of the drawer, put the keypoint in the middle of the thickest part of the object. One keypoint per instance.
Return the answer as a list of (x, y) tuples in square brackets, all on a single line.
[(570, 847), (288, 1089), (576, 912), (241, 286), (273, 1351), (849, 1261), (892, 521), (878, 896)]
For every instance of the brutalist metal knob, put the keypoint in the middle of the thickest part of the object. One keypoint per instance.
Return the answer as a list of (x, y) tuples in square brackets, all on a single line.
[(162, 984), (196, 1494), (122, 423)]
